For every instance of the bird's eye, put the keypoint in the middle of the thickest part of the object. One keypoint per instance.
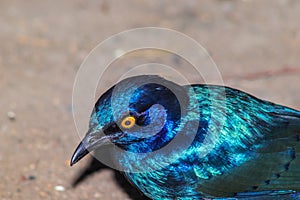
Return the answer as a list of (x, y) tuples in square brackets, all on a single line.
[(128, 122)]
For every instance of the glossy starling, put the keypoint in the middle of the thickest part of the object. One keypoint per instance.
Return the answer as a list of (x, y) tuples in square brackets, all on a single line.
[(197, 141)]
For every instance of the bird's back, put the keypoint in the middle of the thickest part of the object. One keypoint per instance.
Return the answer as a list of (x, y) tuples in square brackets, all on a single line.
[(261, 142)]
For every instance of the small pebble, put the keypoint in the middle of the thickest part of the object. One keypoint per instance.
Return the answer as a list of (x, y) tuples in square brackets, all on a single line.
[(31, 177), (59, 188), (11, 115)]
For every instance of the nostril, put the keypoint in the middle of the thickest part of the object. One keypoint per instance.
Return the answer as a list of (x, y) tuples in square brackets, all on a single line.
[(92, 140)]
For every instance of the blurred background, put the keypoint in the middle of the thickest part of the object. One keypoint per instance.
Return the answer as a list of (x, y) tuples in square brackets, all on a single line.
[(256, 45)]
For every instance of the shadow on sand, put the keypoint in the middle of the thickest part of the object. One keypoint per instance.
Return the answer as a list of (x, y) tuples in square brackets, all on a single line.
[(96, 166)]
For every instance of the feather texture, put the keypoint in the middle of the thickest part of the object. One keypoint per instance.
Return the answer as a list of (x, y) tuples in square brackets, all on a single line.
[(242, 147)]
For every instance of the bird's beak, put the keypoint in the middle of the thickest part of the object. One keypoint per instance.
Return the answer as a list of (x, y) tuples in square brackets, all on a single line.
[(89, 143)]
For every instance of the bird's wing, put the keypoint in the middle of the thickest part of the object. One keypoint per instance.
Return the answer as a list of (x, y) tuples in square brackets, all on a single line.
[(274, 164)]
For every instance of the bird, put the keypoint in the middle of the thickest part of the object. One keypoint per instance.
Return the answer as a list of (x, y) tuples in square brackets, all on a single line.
[(196, 141)]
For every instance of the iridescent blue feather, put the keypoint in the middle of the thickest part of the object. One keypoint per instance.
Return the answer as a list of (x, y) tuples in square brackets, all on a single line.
[(242, 147)]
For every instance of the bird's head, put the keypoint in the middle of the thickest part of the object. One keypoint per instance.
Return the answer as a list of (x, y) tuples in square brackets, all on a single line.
[(139, 114)]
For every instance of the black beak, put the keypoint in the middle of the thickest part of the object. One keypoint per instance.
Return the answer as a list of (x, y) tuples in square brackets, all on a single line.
[(79, 153), (89, 143)]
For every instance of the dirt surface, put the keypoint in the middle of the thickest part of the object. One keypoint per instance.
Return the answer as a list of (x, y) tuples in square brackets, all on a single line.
[(256, 45)]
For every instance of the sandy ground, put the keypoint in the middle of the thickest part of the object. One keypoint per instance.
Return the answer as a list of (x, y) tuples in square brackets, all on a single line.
[(256, 45)]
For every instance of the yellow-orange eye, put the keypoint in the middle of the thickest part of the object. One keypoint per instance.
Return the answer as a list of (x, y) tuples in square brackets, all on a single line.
[(128, 122)]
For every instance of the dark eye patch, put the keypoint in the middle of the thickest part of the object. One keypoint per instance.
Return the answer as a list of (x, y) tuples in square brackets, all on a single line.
[(111, 128)]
